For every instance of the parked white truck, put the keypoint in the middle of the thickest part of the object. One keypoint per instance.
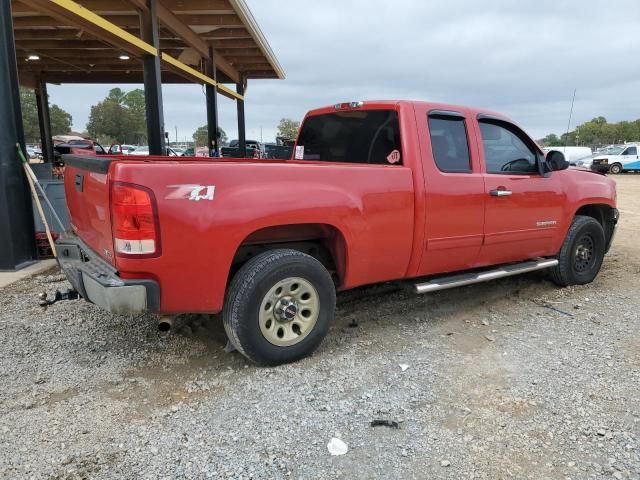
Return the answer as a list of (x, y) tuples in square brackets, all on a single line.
[(623, 159)]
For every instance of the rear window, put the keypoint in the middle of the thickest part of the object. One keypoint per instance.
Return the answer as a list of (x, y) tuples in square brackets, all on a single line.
[(361, 136)]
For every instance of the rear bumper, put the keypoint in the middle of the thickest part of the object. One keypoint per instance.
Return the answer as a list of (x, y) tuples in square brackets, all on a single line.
[(99, 283)]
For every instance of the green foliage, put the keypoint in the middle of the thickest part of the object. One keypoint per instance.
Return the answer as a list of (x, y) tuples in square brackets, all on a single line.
[(596, 132), (120, 117), (201, 137), (60, 120), (288, 128)]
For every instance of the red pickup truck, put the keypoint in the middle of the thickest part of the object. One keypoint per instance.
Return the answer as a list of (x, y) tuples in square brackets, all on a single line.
[(377, 191)]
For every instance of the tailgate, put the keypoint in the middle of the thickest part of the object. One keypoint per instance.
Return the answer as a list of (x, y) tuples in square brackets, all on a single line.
[(86, 184)]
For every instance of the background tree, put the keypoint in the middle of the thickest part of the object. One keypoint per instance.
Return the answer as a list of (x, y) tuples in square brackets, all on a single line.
[(596, 132), (288, 128), (201, 136), (550, 140), (60, 120), (120, 117)]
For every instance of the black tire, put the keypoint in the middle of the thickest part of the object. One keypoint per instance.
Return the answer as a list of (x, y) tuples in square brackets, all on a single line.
[(247, 291), (615, 169), (582, 252)]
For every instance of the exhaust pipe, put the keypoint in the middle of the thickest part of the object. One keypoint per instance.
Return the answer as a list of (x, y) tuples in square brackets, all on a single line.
[(165, 323)]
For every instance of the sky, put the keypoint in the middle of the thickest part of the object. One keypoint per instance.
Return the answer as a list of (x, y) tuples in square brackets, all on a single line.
[(521, 58)]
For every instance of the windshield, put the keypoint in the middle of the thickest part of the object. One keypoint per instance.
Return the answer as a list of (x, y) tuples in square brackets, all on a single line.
[(611, 151), (360, 136)]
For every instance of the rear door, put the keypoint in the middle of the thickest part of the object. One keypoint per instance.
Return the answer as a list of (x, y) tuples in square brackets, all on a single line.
[(454, 191), (523, 209)]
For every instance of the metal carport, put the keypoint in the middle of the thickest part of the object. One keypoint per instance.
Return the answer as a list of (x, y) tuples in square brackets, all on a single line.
[(210, 42)]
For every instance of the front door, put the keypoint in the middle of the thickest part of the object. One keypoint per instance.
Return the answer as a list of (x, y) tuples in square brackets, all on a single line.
[(523, 209)]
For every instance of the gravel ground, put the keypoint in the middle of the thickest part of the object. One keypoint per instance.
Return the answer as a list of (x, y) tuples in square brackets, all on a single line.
[(510, 379)]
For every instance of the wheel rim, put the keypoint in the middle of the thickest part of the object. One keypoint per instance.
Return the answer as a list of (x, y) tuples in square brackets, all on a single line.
[(289, 311), (615, 169), (584, 253)]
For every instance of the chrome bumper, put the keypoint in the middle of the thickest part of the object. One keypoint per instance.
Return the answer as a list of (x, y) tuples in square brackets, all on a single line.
[(99, 283)]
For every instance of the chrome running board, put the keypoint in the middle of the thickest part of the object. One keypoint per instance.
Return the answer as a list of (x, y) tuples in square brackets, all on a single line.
[(459, 280)]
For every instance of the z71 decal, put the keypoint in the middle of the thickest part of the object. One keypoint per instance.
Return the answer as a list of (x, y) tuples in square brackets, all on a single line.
[(191, 192)]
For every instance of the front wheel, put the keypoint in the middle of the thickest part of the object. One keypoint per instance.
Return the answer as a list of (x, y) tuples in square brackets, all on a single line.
[(279, 306), (615, 169), (582, 253)]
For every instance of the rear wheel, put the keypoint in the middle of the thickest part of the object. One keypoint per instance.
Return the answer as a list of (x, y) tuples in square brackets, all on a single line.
[(582, 252), (279, 306), (616, 168)]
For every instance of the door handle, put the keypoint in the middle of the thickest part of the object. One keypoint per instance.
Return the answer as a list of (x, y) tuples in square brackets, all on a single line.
[(500, 193)]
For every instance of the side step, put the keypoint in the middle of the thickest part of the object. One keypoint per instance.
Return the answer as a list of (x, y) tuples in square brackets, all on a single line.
[(459, 280)]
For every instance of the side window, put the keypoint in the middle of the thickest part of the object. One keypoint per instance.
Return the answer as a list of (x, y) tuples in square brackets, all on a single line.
[(449, 143), (631, 151), (505, 151)]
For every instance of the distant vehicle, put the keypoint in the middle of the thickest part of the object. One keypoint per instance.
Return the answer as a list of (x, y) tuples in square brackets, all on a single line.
[(621, 159), (140, 150), (120, 149), (144, 150), (34, 153), (583, 162), (78, 147), (610, 150), (580, 157), (278, 152), (255, 149), (573, 154), (197, 152)]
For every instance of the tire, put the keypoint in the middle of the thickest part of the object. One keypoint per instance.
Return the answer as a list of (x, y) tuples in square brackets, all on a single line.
[(615, 169), (582, 252), (279, 292)]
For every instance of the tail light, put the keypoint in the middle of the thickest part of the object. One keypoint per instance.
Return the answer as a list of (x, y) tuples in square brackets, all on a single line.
[(134, 221), (346, 105)]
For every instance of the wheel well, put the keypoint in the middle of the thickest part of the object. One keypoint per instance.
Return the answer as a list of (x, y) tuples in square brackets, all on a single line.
[(600, 212), (323, 242)]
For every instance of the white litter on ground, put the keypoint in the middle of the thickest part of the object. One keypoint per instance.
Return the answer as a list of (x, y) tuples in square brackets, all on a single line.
[(337, 447)]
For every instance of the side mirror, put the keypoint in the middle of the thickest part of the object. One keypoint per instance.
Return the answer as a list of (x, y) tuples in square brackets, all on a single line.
[(556, 161)]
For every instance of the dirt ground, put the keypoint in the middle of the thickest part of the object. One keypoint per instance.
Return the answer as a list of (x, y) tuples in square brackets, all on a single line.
[(510, 379)]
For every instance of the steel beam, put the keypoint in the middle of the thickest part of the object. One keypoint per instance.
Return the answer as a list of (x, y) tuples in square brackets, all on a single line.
[(17, 237), (152, 81), (44, 121), (242, 137), (212, 106)]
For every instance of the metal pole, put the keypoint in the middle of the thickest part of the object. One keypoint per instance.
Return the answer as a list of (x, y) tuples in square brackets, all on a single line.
[(44, 121), (153, 81), (17, 235), (212, 106), (242, 139)]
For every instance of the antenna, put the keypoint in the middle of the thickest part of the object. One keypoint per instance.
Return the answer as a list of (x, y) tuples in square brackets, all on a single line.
[(566, 138)]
